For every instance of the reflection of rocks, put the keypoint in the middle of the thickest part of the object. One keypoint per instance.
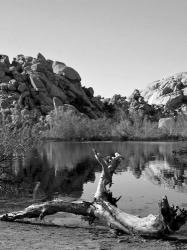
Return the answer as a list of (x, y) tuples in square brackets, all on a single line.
[(162, 174), (159, 166)]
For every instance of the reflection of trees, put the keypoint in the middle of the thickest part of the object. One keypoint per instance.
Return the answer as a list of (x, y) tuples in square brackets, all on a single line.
[(36, 173), (138, 156), (63, 168)]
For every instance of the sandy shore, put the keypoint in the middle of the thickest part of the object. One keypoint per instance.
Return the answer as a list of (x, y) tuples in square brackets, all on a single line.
[(72, 233), (68, 232)]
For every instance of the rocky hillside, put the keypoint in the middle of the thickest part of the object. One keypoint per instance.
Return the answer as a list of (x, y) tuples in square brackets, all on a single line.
[(40, 85), (170, 92)]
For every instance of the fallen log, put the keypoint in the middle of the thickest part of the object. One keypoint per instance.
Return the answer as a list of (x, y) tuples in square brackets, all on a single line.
[(104, 208)]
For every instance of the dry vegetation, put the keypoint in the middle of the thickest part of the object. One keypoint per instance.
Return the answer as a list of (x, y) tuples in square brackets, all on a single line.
[(66, 125), (19, 134)]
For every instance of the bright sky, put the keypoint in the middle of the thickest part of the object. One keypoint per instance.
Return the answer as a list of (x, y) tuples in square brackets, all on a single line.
[(115, 45)]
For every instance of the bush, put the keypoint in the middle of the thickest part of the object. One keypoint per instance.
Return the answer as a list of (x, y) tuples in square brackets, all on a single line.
[(136, 127), (71, 125), (67, 125), (19, 134)]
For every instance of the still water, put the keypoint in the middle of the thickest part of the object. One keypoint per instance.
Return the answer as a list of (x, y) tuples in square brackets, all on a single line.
[(65, 169)]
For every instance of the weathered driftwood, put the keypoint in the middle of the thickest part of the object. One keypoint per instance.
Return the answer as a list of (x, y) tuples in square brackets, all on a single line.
[(104, 208)]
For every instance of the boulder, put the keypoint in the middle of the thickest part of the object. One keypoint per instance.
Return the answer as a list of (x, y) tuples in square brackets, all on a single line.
[(14, 83), (169, 91), (3, 70), (97, 103), (39, 67), (174, 101), (22, 97), (71, 74), (22, 87), (5, 79), (62, 82), (2, 74), (28, 102), (36, 83), (4, 86), (13, 96), (4, 103), (43, 98), (49, 65), (28, 59), (41, 58), (52, 89), (89, 91), (71, 95), (19, 77), (58, 67), (176, 126), (20, 59), (167, 124), (43, 64), (11, 87), (76, 89), (12, 69), (185, 94), (4, 59), (166, 90)]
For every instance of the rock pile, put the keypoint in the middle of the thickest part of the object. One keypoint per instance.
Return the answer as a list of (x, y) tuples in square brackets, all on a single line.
[(39, 84), (170, 92)]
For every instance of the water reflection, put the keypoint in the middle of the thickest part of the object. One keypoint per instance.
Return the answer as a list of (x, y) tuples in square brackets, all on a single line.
[(63, 168), (36, 176)]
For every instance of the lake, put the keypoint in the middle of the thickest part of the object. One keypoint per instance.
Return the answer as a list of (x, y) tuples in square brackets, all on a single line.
[(68, 170)]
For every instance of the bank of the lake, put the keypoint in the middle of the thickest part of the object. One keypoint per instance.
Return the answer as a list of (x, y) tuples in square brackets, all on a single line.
[(68, 170), (26, 237)]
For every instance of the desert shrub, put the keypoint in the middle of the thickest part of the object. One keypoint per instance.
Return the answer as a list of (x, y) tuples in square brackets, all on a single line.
[(136, 127), (71, 125), (68, 125), (19, 134)]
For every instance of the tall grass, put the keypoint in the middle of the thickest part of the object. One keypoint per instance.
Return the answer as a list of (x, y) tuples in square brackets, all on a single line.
[(137, 129), (67, 125)]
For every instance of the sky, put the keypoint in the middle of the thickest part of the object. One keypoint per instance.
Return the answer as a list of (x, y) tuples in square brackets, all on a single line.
[(115, 45)]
